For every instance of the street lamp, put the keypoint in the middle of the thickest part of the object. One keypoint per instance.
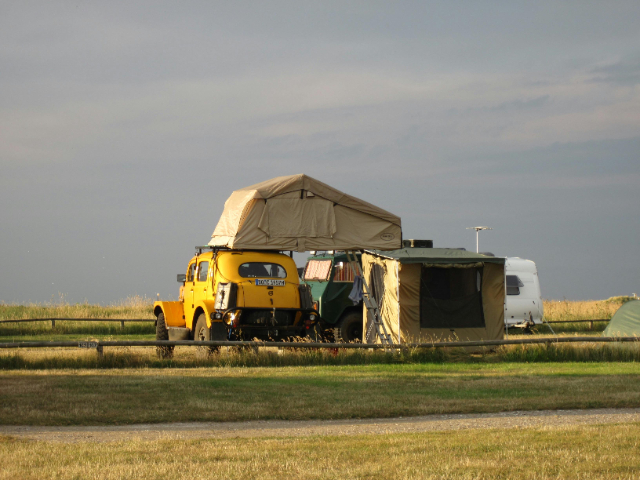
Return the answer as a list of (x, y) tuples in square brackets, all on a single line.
[(477, 229)]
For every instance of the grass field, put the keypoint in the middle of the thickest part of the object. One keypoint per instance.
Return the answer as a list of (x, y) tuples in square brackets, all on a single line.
[(585, 452), (125, 396), (132, 385)]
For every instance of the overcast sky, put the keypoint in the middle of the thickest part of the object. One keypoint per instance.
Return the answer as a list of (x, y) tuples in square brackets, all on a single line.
[(124, 126)]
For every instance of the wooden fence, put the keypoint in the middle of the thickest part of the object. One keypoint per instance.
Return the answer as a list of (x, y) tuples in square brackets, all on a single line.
[(101, 344), (54, 320)]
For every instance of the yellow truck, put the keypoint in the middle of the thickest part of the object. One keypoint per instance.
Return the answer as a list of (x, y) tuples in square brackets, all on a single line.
[(237, 295)]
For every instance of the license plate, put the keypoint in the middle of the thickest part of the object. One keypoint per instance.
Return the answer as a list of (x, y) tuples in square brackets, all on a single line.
[(270, 283)]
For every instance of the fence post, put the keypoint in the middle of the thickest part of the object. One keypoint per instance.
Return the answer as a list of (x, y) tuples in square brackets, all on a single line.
[(53, 323), (591, 325), (122, 324), (100, 351)]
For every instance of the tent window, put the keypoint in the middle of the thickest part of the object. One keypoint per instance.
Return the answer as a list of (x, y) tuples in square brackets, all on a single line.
[(262, 269), (376, 283), (451, 298), (203, 268), (376, 280), (513, 285)]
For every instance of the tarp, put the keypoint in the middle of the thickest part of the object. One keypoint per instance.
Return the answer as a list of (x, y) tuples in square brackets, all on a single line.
[(625, 322), (433, 294), (300, 213)]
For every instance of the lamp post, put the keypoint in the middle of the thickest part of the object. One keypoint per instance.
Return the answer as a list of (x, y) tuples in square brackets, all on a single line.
[(477, 229)]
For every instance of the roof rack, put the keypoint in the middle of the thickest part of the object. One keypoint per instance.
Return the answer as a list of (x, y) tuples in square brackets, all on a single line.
[(201, 248)]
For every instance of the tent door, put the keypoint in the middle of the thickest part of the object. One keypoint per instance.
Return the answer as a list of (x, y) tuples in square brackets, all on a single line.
[(371, 305)]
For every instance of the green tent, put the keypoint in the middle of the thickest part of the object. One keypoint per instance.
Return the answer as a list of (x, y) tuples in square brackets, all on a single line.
[(625, 322)]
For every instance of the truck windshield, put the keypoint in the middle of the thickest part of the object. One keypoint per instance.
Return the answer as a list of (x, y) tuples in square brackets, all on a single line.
[(317, 270), (262, 269)]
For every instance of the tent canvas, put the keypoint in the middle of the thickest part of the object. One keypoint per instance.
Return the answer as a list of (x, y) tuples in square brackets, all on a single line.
[(300, 213), (430, 294), (625, 322)]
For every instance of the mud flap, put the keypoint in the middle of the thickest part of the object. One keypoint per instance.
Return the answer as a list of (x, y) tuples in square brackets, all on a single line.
[(218, 331), (178, 333)]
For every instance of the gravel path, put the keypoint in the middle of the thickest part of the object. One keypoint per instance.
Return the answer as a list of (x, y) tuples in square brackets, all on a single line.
[(287, 428)]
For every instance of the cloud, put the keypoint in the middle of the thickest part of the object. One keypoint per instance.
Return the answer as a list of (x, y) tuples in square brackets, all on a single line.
[(625, 72)]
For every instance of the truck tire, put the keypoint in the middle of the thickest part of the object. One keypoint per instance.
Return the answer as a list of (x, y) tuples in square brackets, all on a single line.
[(162, 333), (350, 329), (202, 333)]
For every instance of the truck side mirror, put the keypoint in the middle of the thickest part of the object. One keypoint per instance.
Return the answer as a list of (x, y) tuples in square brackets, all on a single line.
[(182, 277)]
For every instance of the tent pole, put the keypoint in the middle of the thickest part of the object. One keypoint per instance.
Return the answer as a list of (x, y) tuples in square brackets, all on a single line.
[(398, 297)]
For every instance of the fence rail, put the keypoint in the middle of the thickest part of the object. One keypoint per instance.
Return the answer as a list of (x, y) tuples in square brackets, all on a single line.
[(100, 345), (54, 320), (578, 321)]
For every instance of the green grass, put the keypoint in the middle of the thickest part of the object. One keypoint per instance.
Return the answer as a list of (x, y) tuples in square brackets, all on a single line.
[(93, 397), (581, 452), (69, 330)]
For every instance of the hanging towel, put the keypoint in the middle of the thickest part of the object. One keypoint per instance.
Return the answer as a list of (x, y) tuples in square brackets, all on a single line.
[(356, 292)]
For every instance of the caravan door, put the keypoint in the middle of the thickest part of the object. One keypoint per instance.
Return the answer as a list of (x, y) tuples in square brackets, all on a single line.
[(524, 299)]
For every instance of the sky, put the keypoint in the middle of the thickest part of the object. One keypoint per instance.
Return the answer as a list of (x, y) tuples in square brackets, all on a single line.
[(124, 127)]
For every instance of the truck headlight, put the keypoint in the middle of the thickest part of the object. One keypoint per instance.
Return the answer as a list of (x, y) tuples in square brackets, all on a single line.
[(232, 318)]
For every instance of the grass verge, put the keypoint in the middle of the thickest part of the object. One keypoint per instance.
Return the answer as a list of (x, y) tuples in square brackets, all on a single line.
[(190, 357), (585, 452), (95, 397)]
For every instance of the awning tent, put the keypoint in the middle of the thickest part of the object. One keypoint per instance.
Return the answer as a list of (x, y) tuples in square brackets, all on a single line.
[(300, 213), (432, 294), (625, 322)]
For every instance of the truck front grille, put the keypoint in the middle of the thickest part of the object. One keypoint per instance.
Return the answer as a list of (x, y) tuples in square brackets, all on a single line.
[(266, 318)]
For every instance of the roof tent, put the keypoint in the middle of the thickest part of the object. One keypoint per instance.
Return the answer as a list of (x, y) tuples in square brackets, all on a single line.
[(625, 322), (431, 294), (300, 213)]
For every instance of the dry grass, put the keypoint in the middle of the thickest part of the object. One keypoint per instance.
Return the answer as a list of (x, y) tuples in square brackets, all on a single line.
[(584, 452), (555, 310), (95, 397), (191, 357), (132, 307)]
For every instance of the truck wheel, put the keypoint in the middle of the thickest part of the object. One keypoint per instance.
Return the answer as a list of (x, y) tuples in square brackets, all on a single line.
[(350, 329), (162, 333), (202, 333)]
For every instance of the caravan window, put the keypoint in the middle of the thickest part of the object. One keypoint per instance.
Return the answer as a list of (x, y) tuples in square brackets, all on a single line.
[(451, 298), (513, 285)]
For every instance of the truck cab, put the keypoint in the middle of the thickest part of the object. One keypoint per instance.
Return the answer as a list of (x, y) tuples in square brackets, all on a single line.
[(331, 280), (237, 295)]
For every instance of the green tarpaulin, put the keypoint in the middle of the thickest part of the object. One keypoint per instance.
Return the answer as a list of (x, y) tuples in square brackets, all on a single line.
[(625, 322)]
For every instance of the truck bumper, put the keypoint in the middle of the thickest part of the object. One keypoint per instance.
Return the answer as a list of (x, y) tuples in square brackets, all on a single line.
[(270, 329)]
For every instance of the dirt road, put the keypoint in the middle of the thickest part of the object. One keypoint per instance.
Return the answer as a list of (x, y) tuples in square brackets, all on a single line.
[(285, 428)]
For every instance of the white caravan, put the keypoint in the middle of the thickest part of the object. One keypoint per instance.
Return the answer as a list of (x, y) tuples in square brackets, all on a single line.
[(524, 300)]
